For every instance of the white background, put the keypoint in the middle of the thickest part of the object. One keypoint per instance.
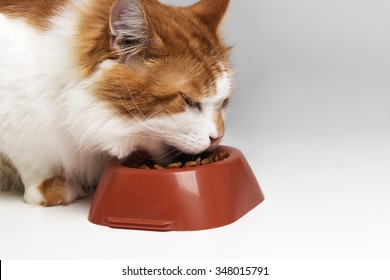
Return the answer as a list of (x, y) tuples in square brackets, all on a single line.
[(311, 114)]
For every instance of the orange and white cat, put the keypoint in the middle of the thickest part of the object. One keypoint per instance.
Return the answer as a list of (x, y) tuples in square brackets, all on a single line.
[(82, 81)]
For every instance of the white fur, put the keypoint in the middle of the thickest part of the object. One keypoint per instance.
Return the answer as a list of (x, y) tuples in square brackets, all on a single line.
[(52, 125), (32, 195)]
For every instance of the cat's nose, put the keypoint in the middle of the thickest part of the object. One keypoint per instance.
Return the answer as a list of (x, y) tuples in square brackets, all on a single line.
[(213, 140)]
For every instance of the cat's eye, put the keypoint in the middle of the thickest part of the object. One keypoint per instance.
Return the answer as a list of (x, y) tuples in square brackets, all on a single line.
[(190, 102)]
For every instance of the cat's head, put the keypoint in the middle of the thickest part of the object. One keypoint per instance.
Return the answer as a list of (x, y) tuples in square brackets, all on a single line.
[(172, 76)]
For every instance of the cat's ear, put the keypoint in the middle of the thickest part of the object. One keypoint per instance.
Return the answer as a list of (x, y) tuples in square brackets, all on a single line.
[(130, 30), (211, 12)]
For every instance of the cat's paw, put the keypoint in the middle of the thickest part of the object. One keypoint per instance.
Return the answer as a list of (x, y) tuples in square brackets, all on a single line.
[(52, 192)]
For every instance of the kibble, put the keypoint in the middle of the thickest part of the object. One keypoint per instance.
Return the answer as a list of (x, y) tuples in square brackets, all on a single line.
[(157, 166), (202, 159), (190, 164), (175, 165)]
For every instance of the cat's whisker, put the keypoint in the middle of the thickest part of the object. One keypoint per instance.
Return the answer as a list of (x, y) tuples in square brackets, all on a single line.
[(239, 75), (173, 153), (138, 109), (125, 105), (135, 117), (132, 97)]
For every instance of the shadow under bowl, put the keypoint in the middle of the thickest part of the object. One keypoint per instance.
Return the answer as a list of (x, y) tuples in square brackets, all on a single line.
[(181, 199)]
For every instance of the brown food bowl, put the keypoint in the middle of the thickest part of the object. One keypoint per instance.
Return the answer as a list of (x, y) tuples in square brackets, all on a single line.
[(194, 198)]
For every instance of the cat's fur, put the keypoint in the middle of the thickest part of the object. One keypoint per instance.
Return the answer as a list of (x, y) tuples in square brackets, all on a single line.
[(82, 81)]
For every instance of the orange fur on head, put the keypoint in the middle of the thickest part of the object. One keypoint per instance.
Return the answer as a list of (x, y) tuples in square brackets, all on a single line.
[(182, 54)]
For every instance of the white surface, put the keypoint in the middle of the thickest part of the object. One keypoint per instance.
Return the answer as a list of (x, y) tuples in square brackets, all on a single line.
[(312, 117), (325, 199)]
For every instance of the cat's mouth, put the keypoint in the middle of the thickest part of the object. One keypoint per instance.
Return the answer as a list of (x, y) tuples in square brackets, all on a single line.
[(165, 157), (174, 159)]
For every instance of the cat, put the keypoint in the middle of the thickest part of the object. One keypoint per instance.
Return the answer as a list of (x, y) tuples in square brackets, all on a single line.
[(84, 81)]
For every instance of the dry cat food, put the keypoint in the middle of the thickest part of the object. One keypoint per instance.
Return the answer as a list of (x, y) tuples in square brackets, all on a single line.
[(184, 161)]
